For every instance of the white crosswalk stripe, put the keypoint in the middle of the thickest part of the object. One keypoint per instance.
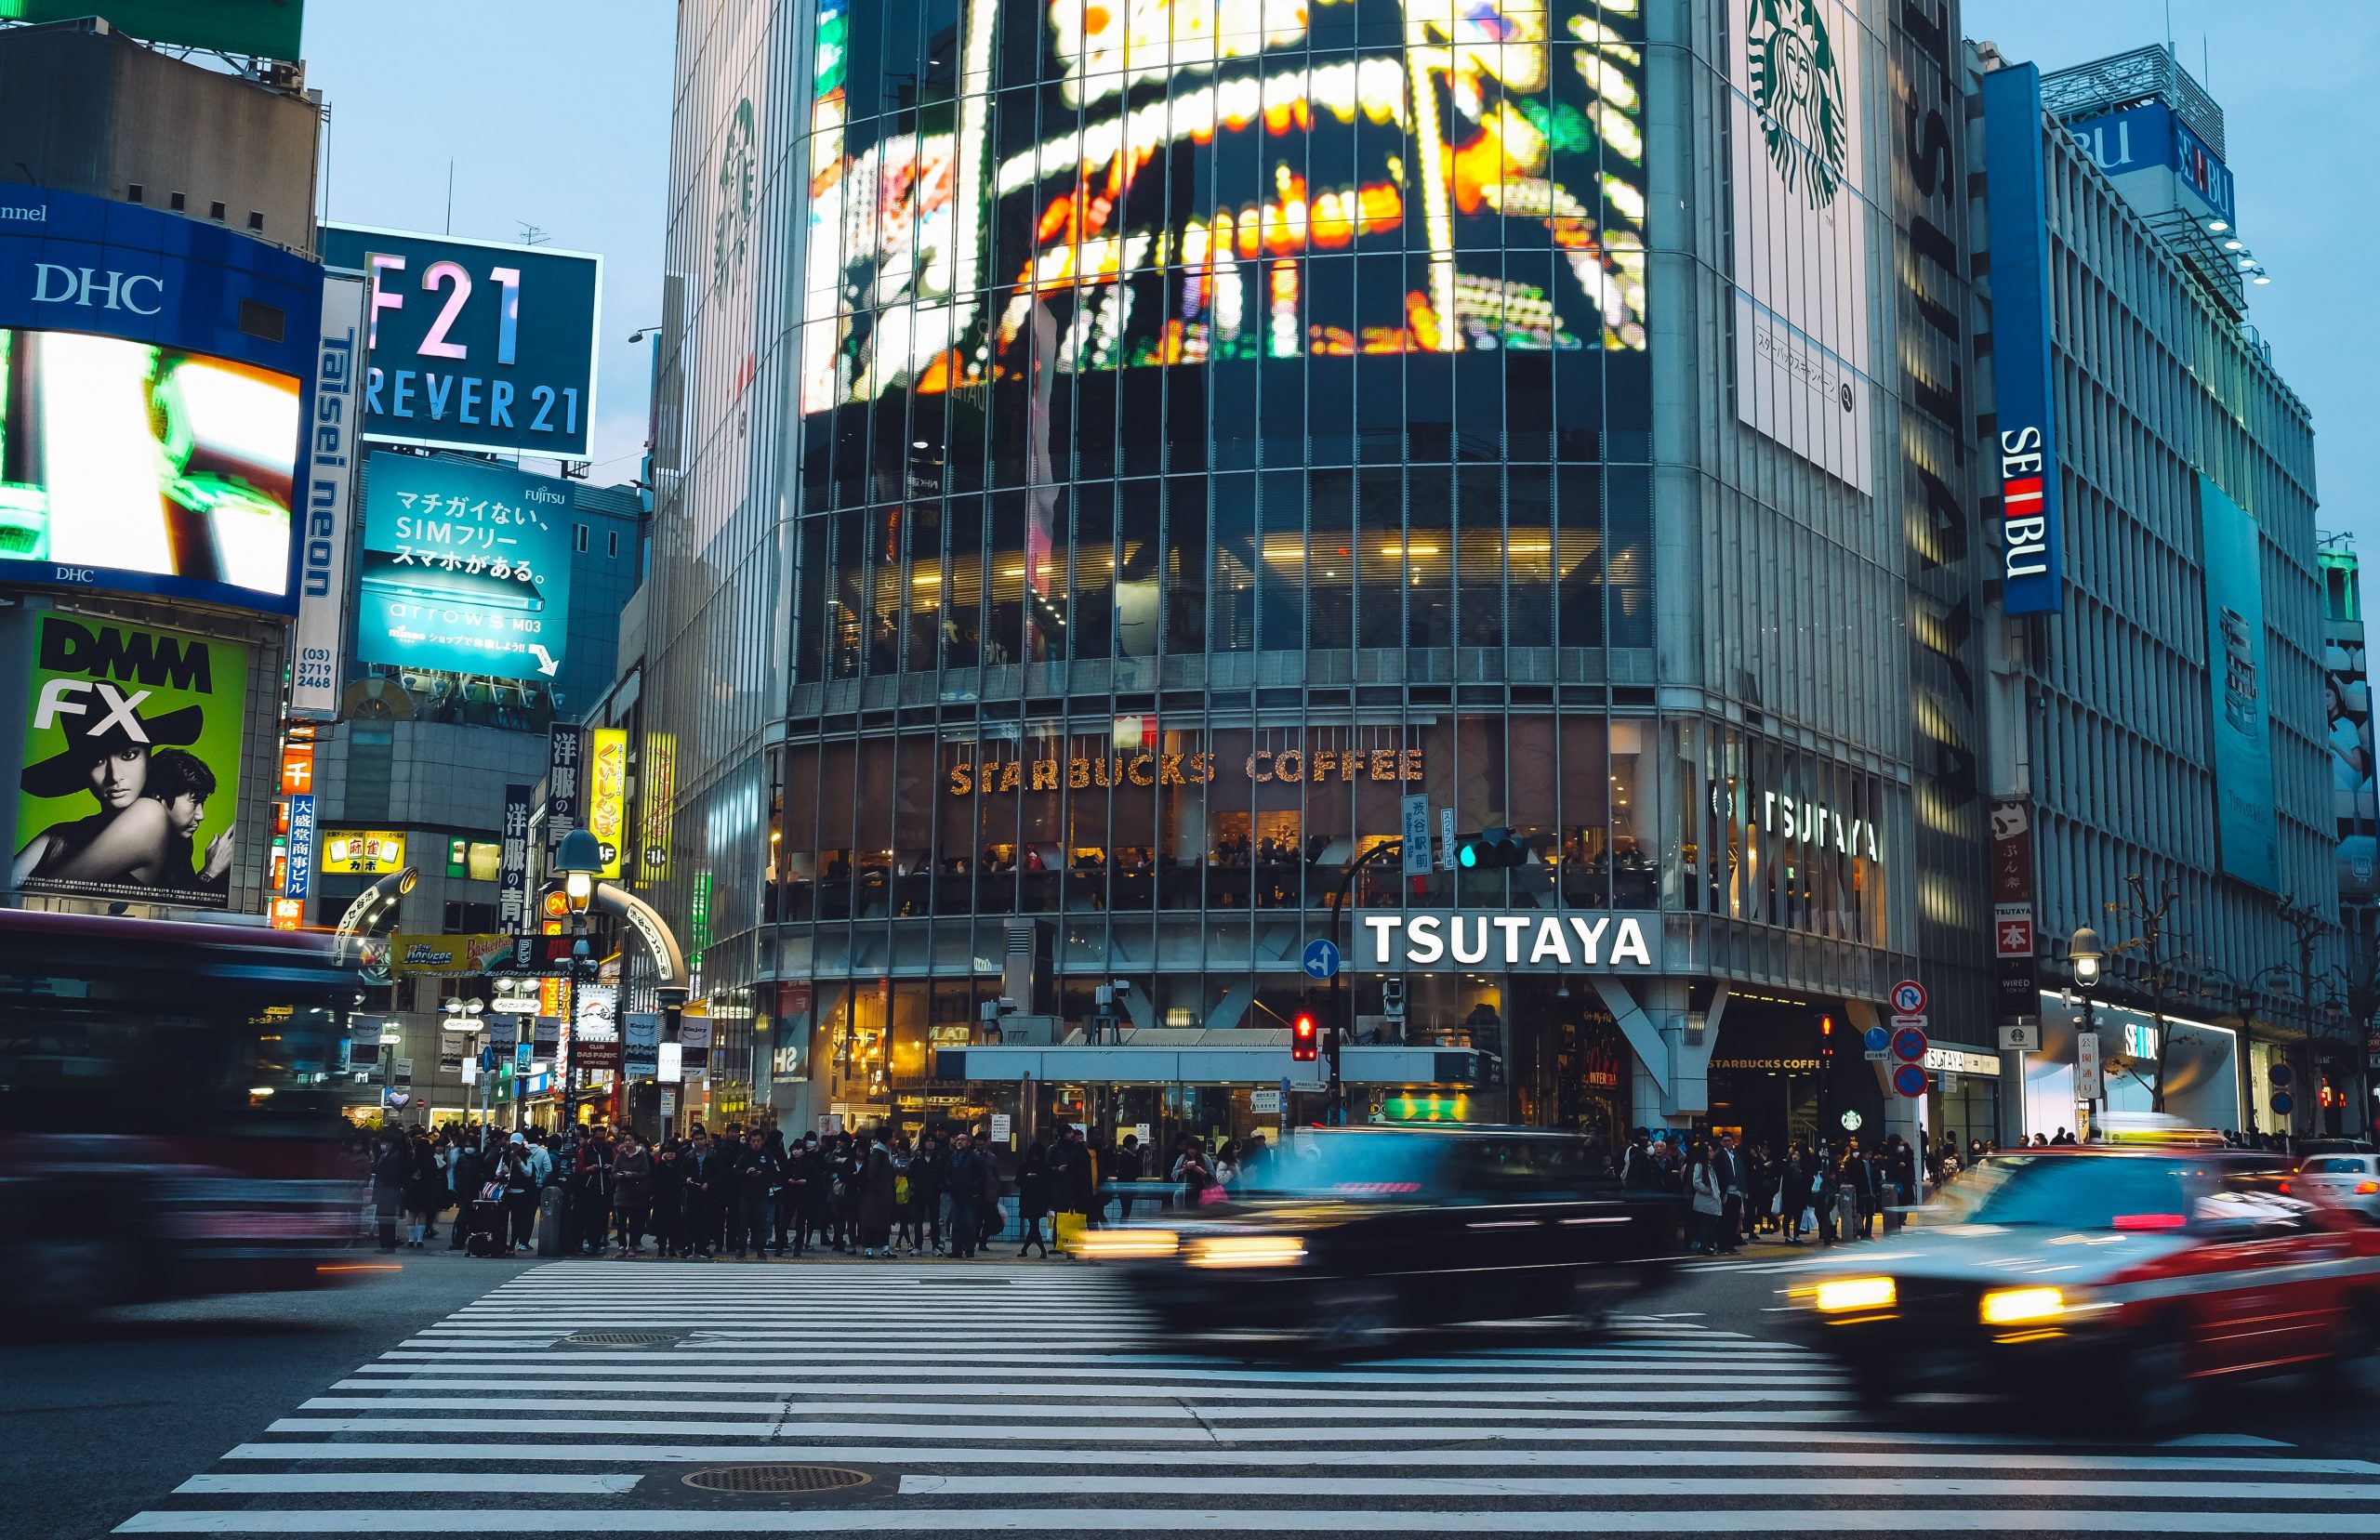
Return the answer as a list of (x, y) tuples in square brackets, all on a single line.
[(1030, 1399)]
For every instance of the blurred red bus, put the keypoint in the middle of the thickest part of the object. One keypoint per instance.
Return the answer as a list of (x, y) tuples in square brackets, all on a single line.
[(170, 1111)]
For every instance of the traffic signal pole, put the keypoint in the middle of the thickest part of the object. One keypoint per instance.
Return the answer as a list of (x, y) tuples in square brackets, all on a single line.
[(1335, 1095)]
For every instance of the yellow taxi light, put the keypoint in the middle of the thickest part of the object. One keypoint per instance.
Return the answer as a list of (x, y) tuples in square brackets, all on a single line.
[(2020, 1306), (1246, 1251), (1838, 1294), (1120, 1246)]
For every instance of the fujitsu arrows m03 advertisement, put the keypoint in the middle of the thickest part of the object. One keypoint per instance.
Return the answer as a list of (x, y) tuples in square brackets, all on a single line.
[(132, 762), (153, 376), (465, 566), (2031, 579)]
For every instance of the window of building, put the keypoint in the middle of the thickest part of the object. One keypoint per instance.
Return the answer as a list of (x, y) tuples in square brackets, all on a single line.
[(579, 538)]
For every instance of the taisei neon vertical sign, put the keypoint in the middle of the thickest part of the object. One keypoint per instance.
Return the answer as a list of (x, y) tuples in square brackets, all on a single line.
[(2032, 580)]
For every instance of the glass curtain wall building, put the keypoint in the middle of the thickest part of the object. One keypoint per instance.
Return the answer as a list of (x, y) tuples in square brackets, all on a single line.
[(1114, 456)]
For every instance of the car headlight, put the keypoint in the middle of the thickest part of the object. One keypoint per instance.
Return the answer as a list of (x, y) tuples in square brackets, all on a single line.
[(1244, 1251), (1124, 1245), (2023, 1306), (1838, 1294)]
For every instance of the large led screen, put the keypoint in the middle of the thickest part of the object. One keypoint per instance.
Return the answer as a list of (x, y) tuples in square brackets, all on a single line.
[(466, 568), (1107, 183), (118, 457)]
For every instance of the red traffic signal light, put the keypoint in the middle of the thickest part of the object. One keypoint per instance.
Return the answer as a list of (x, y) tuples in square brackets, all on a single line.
[(1306, 1038)]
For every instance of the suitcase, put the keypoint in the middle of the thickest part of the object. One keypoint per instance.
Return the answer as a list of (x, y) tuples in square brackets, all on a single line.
[(487, 1225)]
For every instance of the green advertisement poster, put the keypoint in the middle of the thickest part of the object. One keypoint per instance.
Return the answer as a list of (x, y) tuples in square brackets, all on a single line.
[(132, 763), (273, 28)]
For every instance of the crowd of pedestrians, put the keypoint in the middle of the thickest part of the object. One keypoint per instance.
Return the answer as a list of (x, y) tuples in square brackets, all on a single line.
[(1829, 1191), (741, 1192)]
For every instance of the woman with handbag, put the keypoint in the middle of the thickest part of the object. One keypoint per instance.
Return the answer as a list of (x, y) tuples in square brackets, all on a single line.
[(1033, 1197), (1707, 1188)]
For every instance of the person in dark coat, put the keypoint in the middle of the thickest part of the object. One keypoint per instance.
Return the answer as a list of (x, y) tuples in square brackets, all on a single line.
[(1127, 1168), (668, 1199), (818, 1197), (425, 1186), (874, 1201), (705, 1188), (969, 1170), (390, 1168), (783, 1202), (929, 1179), (632, 1190), (1033, 1196), (758, 1177)]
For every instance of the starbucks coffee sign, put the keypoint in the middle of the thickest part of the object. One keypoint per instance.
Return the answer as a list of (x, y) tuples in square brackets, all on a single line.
[(1534, 941)]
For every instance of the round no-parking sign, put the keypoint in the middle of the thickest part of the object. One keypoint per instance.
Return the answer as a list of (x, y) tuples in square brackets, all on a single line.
[(1910, 1080)]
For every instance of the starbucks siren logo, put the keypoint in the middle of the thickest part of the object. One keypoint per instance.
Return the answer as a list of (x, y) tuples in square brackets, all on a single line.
[(732, 234), (1797, 85)]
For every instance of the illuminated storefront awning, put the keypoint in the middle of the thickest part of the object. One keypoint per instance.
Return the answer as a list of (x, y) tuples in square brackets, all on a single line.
[(1264, 1061)]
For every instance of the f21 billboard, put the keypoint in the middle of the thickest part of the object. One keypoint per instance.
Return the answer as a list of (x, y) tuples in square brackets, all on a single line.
[(154, 374), (475, 345)]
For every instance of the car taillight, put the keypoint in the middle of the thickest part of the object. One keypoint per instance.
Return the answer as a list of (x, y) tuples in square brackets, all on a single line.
[(2365, 1190), (2149, 1221)]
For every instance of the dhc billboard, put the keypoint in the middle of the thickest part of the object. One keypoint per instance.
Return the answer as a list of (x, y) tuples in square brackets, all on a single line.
[(158, 373), (2031, 576)]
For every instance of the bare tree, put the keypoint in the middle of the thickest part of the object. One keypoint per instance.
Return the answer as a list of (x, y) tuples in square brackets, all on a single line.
[(2154, 943)]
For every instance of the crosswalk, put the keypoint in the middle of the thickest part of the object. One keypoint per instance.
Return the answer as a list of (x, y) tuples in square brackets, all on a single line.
[(601, 1399)]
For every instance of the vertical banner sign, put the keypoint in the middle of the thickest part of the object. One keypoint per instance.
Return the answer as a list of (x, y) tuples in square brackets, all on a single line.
[(2012, 908), (2232, 545), (512, 873), (565, 749), (1417, 836), (301, 845), (657, 786), (607, 800), (2031, 576), (329, 517), (641, 1036), (131, 774)]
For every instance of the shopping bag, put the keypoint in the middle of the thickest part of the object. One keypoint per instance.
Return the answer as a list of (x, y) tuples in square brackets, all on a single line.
[(1809, 1218), (1069, 1228)]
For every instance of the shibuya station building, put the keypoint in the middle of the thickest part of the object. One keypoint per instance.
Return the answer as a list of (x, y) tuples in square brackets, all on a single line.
[(1118, 464)]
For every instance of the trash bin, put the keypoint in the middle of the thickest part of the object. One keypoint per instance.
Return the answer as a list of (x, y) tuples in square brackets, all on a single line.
[(550, 1206)]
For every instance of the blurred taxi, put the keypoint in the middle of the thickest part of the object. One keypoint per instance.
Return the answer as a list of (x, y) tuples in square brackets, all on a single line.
[(1349, 1234), (2138, 1273), (2352, 1180)]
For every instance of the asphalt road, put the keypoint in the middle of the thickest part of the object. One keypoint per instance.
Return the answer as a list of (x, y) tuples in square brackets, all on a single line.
[(465, 1396)]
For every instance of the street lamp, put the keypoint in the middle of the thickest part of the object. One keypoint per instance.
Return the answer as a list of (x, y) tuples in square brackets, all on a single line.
[(579, 861), (463, 1016), (2088, 961)]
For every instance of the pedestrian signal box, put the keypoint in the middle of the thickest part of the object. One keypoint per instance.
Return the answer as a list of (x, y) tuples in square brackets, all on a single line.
[(1306, 1038)]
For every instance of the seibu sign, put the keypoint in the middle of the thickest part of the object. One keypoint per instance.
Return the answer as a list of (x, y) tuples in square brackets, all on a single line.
[(1532, 942)]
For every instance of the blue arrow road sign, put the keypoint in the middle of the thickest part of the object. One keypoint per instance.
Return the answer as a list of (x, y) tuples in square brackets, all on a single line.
[(1321, 959)]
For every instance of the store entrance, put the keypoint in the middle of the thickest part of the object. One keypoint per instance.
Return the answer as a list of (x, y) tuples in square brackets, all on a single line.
[(1569, 1066)]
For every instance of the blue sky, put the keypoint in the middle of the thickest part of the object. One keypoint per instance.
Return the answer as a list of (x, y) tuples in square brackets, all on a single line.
[(2294, 78), (557, 112)]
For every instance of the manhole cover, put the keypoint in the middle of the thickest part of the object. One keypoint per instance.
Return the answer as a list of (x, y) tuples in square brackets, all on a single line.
[(619, 1340), (776, 1478)]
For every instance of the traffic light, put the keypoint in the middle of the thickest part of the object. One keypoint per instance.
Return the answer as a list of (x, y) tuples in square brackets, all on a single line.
[(1490, 847), (1306, 1038)]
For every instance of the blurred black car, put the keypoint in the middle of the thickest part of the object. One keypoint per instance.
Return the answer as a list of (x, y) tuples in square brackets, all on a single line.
[(1347, 1234)]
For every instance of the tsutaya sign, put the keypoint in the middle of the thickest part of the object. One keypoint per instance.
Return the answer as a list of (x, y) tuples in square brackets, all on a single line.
[(1534, 941), (1802, 821), (1182, 769)]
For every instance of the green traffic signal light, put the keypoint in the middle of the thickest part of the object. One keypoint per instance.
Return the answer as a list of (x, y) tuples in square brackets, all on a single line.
[(1469, 856)]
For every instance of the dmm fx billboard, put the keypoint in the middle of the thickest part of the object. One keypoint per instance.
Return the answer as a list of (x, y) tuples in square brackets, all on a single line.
[(2031, 576), (475, 345), (2232, 541), (465, 566), (1535, 941), (132, 763), (154, 374)]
